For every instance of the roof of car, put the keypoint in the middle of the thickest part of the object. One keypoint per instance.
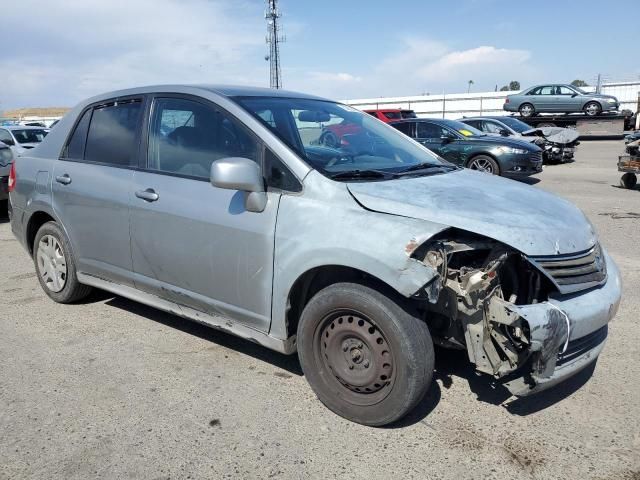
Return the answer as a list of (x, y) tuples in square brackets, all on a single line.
[(405, 120), (21, 127), (224, 90)]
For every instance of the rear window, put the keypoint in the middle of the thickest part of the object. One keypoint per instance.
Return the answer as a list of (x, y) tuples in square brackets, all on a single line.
[(392, 115), (29, 136), (112, 136)]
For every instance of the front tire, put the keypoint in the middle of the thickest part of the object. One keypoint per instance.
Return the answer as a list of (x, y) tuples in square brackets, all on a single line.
[(55, 265), (484, 163), (592, 109), (366, 358)]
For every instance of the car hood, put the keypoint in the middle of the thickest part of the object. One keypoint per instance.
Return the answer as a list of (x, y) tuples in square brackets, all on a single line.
[(562, 136), (600, 95), (524, 217)]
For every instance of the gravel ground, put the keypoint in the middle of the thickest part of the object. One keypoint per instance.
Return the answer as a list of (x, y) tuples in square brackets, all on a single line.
[(113, 389)]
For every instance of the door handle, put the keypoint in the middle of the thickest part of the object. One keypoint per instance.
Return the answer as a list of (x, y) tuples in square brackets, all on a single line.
[(63, 179), (148, 195)]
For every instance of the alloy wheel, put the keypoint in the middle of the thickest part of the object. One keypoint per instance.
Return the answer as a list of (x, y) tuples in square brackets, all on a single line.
[(482, 165), (52, 264)]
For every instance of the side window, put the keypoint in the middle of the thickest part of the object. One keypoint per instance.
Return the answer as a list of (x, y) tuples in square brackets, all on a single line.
[(476, 124), (75, 147), (564, 91), (430, 130), (547, 90), (491, 127), (186, 137), (404, 127), (5, 137), (278, 175), (112, 132), (373, 114), (534, 91)]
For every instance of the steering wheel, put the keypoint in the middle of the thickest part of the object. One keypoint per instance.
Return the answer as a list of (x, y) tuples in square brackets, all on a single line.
[(338, 160)]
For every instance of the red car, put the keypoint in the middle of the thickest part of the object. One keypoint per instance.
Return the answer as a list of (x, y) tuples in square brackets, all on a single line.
[(332, 135), (391, 114)]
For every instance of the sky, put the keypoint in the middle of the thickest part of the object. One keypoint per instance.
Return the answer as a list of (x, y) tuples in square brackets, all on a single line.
[(58, 52)]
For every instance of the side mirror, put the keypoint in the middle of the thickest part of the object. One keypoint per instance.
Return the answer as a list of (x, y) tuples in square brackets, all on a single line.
[(11, 143), (574, 95), (243, 174), (447, 138), (504, 132)]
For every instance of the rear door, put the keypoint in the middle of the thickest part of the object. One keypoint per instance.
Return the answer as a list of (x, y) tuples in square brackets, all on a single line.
[(91, 184), (194, 243)]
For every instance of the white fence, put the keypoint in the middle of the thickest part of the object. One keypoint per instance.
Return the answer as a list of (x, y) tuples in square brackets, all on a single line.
[(458, 105)]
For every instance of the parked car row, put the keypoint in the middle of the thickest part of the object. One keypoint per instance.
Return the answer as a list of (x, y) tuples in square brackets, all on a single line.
[(6, 162), (305, 225)]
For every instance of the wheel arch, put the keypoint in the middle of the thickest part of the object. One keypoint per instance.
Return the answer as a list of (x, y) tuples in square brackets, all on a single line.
[(36, 220), (315, 279)]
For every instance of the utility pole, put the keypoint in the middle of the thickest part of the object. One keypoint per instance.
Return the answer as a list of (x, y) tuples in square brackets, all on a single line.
[(273, 40)]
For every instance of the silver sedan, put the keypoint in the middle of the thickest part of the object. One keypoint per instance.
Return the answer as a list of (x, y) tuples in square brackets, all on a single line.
[(559, 99)]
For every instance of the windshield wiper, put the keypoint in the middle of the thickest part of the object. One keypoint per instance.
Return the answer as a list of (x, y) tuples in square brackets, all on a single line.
[(427, 166), (359, 174)]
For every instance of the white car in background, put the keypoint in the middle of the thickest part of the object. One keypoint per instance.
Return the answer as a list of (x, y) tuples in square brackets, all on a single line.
[(22, 138)]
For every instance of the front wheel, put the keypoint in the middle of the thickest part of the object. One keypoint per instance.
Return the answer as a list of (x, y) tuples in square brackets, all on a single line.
[(592, 109), (366, 358), (484, 163)]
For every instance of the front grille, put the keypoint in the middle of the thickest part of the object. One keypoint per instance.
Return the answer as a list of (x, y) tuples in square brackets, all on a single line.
[(576, 271), (582, 345)]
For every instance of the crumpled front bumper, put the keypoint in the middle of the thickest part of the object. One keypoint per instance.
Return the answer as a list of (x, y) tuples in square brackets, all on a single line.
[(575, 325)]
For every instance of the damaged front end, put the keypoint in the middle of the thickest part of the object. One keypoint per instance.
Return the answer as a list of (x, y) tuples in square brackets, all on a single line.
[(493, 301), (558, 144)]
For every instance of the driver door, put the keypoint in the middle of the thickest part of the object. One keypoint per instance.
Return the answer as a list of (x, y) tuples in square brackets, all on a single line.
[(431, 136), (191, 242)]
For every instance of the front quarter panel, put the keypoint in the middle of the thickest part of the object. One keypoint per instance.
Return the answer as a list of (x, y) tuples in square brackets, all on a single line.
[(326, 226)]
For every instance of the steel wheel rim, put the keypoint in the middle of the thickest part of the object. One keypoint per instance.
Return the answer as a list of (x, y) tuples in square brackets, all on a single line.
[(52, 263), (482, 165), (355, 356), (592, 109)]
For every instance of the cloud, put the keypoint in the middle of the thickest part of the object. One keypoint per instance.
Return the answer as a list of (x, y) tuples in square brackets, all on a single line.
[(420, 65), (76, 48)]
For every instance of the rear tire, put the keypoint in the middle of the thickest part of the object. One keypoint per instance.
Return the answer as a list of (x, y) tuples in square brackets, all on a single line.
[(55, 265), (484, 163), (592, 109), (628, 180), (527, 110), (366, 357)]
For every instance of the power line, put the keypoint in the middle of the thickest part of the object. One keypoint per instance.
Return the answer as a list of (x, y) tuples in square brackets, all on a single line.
[(273, 40)]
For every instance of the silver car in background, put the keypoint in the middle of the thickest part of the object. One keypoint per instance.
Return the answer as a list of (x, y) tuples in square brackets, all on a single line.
[(22, 138), (6, 162), (221, 205), (559, 98)]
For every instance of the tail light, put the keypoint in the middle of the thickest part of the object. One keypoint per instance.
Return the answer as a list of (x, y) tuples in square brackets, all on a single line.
[(12, 177), (506, 100)]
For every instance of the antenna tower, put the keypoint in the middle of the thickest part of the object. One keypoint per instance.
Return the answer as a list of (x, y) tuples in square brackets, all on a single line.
[(274, 38)]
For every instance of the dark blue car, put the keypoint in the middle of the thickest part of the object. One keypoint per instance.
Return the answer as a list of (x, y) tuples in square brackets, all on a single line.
[(466, 146)]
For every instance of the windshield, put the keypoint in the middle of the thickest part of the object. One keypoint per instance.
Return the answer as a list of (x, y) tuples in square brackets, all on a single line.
[(515, 124), (335, 138), (579, 90), (462, 128), (29, 136), (408, 114)]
